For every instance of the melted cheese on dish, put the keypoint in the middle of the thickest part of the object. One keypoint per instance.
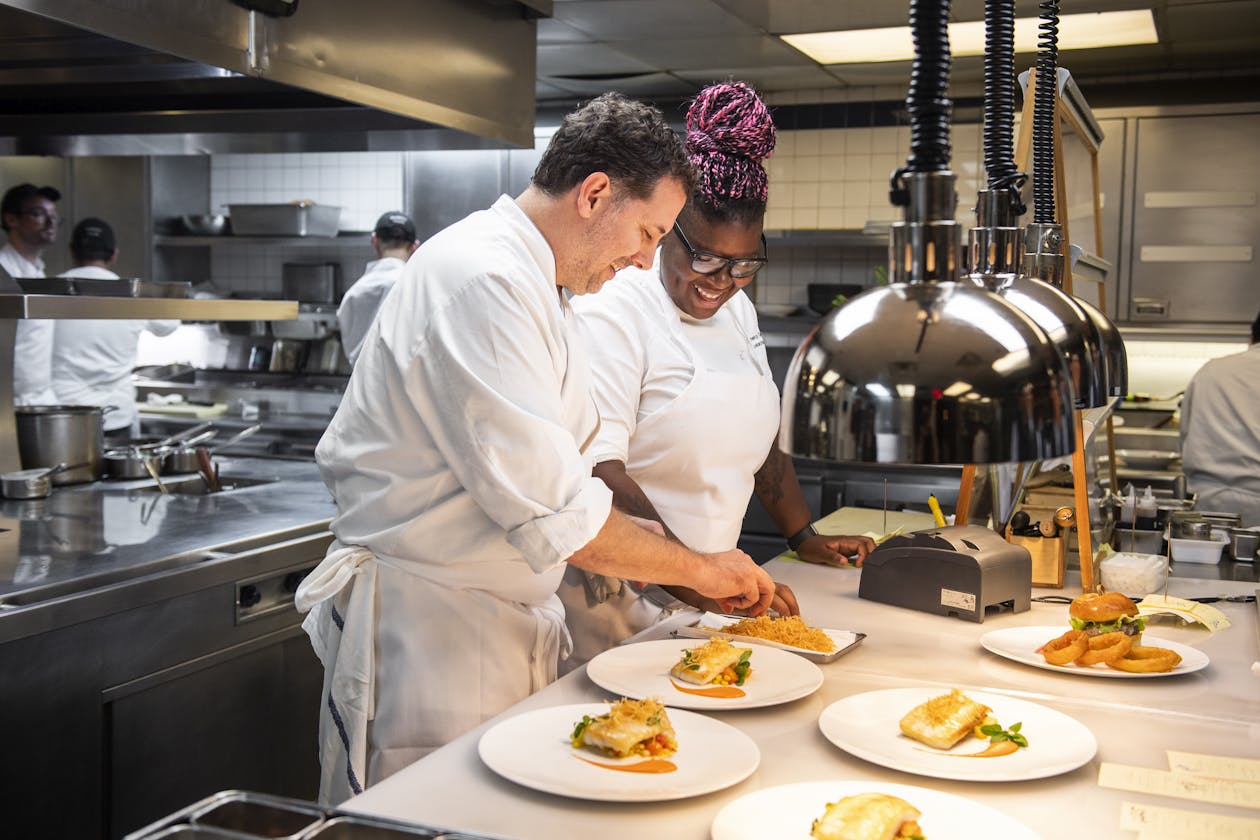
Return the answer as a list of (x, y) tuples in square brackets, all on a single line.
[(701, 665), (627, 725), (867, 816), (944, 721)]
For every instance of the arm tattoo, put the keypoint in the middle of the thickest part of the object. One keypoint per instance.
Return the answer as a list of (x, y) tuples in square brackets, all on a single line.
[(768, 482)]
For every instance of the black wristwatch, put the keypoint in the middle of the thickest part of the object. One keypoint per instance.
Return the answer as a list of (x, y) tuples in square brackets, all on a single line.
[(794, 542)]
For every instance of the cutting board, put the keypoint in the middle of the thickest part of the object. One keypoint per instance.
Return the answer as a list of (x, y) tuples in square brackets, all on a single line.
[(184, 410)]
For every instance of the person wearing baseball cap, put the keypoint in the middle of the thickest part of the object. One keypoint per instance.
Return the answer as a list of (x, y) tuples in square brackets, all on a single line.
[(28, 215), (92, 360), (394, 241)]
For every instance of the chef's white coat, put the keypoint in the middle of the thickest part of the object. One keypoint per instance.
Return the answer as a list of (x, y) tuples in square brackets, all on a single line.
[(32, 346), (362, 301), (1220, 435), (92, 360), (691, 408), (458, 460)]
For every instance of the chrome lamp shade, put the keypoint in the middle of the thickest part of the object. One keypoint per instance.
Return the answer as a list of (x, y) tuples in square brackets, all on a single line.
[(927, 373), (1068, 325)]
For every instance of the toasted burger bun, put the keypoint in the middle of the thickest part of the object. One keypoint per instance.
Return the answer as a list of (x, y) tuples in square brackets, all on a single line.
[(1102, 607)]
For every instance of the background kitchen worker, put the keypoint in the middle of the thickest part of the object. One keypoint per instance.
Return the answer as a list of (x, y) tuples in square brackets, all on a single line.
[(688, 405), (29, 216), (459, 458), (394, 241), (92, 360), (1220, 433)]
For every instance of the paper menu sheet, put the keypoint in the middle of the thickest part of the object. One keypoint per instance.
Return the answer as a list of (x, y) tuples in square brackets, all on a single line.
[(1153, 822), (1240, 794), (1192, 612), (1214, 766)]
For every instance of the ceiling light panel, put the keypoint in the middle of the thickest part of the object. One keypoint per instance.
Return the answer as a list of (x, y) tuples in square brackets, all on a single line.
[(1076, 32)]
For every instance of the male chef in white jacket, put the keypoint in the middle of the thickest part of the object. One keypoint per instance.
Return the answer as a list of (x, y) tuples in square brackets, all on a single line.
[(393, 241), (29, 216), (92, 360), (460, 466)]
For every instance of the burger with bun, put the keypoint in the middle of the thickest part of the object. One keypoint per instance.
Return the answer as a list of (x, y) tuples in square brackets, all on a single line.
[(1106, 612)]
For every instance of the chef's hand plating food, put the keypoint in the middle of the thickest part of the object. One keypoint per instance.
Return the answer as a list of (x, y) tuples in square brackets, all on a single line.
[(868, 816)]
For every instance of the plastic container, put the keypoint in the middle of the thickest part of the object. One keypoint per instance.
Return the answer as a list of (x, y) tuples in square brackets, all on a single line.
[(1134, 574), (1198, 551)]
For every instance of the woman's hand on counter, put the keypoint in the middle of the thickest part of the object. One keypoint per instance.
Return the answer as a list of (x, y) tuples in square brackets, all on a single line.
[(835, 550)]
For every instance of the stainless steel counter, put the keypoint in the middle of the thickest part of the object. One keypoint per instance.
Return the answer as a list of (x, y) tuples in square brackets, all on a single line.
[(86, 537)]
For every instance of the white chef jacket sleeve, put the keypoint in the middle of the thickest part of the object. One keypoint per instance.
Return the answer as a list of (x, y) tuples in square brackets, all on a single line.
[(161, 327), (617, 342), (32, 363), (487, 378)]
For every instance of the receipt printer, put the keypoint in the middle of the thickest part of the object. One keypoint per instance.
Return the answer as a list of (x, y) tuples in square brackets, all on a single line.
[(957, 570)]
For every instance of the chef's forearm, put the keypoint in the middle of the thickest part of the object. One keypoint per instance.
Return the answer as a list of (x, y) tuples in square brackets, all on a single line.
[(779, 492), (628, 496)]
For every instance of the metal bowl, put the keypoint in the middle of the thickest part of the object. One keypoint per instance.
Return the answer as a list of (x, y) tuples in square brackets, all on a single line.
[(206, 224)]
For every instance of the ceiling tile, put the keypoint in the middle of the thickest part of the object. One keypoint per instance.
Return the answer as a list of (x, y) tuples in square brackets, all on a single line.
[(587, 60), (620, 20), (552, 31), (737, 51), (765, 79), (644, 86)]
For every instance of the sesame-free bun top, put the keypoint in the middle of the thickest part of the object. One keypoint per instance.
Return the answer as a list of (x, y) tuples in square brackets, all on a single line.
[(1102, 607)]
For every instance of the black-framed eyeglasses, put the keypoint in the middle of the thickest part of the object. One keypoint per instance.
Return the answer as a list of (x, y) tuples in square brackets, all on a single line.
[(702, 262)]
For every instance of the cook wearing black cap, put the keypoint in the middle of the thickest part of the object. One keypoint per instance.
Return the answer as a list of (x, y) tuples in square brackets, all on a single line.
[(394, 241), (29, 217), (92, 360)]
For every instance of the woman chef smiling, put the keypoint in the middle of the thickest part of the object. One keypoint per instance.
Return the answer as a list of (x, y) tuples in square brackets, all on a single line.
[(459, 458), (689, 410)]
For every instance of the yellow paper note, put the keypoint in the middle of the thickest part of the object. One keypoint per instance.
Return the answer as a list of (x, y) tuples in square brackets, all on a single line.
[(1156, 823), (1166, 783), (1191, 612), (1215, 766)]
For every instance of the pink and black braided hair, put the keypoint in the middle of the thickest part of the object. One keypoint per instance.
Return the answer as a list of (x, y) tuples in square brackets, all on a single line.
[(729, 133)]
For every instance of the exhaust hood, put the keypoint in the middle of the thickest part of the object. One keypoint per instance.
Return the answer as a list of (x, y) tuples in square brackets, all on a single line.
[(154, 77)]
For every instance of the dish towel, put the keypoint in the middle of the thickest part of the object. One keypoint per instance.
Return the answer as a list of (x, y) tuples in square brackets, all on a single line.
[(340, 599)]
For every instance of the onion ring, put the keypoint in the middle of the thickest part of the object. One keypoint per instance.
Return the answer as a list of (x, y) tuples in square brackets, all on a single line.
[(1067, 648), (1142, 659), (1106, 647)]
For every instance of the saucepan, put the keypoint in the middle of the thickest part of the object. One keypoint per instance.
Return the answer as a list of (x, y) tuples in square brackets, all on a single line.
[(31, 484), (132, 462), (182, 458)]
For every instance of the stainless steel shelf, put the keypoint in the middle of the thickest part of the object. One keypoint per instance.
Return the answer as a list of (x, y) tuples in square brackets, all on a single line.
[(76, 307), (340, 241)]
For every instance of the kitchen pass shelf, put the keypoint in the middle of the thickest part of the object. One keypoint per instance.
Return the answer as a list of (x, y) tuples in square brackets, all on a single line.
[(341, 240)]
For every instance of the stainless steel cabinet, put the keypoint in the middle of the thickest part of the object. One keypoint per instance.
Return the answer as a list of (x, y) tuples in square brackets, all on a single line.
[(1195, 220)]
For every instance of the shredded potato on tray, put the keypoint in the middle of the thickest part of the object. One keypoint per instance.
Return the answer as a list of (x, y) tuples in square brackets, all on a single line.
[(787, 630)]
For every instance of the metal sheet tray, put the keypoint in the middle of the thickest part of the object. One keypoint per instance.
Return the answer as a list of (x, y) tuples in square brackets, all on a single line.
[(243, 815), (708, 626), (47, 285)]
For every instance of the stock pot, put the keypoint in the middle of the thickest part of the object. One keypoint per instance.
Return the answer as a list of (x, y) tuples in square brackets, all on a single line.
[(49, 435)]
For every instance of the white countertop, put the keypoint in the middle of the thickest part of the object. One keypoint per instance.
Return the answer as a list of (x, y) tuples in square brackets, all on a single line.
[(1215, 710)]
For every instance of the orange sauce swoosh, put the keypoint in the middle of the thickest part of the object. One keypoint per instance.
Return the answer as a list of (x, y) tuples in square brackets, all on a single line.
[(651, 765), (993, 750), (721, 691)]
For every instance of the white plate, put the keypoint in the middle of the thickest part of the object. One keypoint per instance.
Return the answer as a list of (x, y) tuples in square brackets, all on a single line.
[(711, 624), (642, 670), (1021, 643), (533, 749), (866, 725), (787, 812)]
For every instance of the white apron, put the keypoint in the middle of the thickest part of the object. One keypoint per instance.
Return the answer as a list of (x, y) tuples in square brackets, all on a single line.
[(695, 460), (482, 673)]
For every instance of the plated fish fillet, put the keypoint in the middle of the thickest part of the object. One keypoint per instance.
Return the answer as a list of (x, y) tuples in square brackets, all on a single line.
[(630, 727), (701, 665), (867, 816), (945, 720)]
